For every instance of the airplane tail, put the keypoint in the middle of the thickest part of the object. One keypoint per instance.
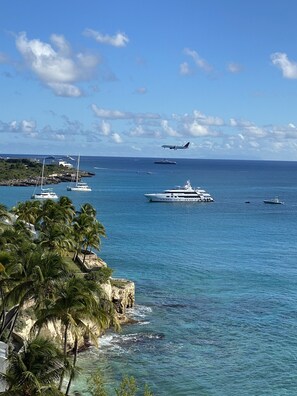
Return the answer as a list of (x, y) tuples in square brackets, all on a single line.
[(187, 145)]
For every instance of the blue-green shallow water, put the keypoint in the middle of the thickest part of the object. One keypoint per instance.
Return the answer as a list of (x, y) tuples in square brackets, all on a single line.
[(216, 284)]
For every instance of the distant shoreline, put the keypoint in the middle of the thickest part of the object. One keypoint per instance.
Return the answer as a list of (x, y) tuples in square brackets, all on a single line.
[(24, 172)]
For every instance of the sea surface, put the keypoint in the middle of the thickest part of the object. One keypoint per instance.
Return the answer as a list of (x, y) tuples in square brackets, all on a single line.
[(216, 283)]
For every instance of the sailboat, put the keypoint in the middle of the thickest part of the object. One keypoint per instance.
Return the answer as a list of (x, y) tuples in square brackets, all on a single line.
[(79, 185), (45, 193)]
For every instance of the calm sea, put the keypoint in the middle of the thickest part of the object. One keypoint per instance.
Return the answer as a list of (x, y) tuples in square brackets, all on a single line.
[(216, 283)]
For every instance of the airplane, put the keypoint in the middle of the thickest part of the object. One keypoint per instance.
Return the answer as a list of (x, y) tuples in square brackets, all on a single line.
[(176, 147)]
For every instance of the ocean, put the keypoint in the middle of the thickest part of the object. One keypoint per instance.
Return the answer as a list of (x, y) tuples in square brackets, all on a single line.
[(216, 283)]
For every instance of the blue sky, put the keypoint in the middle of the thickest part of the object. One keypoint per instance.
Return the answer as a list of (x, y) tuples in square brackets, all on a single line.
[(122, 78)]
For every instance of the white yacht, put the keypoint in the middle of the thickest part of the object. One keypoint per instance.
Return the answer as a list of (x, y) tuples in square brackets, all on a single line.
[(44, 193), (274, 201), (181, 194), (78, 186)]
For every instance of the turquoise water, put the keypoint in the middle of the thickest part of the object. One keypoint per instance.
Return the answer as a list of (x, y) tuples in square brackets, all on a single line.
[(216, 283)]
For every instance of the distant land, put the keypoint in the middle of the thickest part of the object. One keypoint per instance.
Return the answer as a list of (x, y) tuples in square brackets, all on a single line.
[(27, 172)]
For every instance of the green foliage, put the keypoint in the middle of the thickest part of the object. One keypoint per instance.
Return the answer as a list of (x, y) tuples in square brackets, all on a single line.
[(147, 391), (101, 275), (36, 367), (127, 387), (96, 384)]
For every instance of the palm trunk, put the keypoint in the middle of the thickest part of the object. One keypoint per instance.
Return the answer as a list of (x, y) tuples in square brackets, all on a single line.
[(75, 349), (65, 355), (76, 251), (12, 325), (3, 313)]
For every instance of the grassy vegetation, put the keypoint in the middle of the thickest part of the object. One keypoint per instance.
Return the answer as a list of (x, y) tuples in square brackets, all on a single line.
[(121, 284), (72, 266)]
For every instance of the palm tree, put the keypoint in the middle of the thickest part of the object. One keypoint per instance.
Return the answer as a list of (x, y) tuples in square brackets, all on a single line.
[(52, 212), (92, 236), (58, 237), (87, 230), (35, 369), (36, 281), (4, 214), (28, 211), (81, 224), (67, 208), (88, 209), (16, 240), (79, 303)]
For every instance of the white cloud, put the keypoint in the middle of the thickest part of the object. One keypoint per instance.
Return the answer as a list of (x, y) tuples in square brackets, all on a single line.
[(59, 69), (23, 126), (121, 115), (167, 129), (254, 144), (288, 68), (233, 122), (105, 128), (27, 126), (248, 129), (61, 44), (234, 67), (200, 62), (256, 131), (198, 130), (207, 120), (184, 69), (141, 91), (62, 89), (118, 40), (112, 114), (60, 137), (137, 131), (117, 138)]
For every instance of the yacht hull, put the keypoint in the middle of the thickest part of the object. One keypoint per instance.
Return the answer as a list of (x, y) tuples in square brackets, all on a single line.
[(45, 196)]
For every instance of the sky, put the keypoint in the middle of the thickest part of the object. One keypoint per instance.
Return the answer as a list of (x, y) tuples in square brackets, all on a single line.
[(124, 77)]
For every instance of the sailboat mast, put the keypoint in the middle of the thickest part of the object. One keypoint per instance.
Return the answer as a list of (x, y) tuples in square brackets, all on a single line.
[(77, 169), (42, 174)]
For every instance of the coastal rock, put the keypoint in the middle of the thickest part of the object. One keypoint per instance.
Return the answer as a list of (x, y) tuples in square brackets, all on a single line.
[(123, 295)]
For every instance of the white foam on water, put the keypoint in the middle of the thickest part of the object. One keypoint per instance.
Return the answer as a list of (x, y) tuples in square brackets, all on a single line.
[(139, 311)]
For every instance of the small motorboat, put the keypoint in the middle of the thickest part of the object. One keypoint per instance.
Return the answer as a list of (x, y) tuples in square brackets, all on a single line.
[(274, 201)]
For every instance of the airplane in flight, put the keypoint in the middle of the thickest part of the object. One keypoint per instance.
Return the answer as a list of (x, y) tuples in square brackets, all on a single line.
[(176, 147)]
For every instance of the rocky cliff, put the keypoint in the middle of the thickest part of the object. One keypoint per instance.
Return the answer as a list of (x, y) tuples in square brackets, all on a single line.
[(120, 291)]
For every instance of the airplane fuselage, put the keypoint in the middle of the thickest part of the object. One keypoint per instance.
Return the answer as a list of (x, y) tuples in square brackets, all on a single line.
[(172, 147)]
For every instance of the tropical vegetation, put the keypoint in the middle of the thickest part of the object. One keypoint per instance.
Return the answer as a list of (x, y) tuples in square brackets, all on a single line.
[(23, 168), (39, 245), (127, 387)]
